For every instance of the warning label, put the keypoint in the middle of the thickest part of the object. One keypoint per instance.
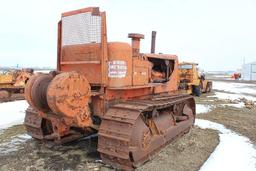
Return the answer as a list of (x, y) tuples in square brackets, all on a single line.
[(117, 69)]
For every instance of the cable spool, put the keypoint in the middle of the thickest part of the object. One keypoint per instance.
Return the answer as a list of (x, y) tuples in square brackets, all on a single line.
[(39, 91), (35, 91), (68, 94), (28, 88)]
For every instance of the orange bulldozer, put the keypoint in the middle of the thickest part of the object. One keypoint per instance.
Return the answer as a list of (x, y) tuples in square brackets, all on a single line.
[(127, 97)]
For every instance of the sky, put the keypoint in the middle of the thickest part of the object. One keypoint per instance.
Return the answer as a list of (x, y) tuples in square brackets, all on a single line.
[(218, 34)]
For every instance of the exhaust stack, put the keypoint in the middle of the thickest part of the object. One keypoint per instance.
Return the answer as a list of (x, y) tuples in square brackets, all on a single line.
[(135, 43), (153, 42)]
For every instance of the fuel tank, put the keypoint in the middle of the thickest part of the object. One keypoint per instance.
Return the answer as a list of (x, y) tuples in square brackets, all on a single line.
[(120, 64)]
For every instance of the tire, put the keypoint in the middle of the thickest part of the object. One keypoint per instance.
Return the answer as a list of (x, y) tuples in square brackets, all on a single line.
[(196, 91), (209, 88), (4, 94)]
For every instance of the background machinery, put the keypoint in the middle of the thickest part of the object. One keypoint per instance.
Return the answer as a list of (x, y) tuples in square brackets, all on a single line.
[(129, 98), (236, 76), (13, 81), (191, 81)]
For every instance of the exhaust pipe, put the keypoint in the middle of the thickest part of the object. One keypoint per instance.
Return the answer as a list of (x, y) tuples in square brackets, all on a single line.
[(153, 42), (135, 43)]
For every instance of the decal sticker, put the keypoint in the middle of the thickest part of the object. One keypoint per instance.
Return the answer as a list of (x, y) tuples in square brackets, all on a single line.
[(117, 69)]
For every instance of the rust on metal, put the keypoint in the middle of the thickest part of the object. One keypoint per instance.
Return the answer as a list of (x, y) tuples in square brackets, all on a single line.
[(39, 92), (135, 43), (68, 95), (28, 88), (129, 98), (131, 133)]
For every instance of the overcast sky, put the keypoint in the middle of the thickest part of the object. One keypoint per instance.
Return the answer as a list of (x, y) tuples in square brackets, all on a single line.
[(218, 34)]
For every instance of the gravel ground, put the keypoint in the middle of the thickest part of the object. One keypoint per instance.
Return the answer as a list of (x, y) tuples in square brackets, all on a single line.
[(187, 153), (20, 152), (240, 120)]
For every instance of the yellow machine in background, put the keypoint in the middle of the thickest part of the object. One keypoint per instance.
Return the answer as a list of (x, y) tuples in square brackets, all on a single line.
[(13, 81), (191, 82)]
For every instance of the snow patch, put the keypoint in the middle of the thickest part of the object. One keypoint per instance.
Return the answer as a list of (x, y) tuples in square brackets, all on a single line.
[(221, 95), (234, 91), (13, 144), (42, 71), (235, 87), (222, 76), (238, 105), (234, 152), (200, 108), (12, 113)]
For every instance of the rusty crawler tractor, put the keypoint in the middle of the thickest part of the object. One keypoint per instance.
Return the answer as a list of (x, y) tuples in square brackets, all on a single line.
[(13, 82), (109, 88), (191, 82)]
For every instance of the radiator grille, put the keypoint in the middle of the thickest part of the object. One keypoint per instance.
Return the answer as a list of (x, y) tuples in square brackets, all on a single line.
[(81, 29)]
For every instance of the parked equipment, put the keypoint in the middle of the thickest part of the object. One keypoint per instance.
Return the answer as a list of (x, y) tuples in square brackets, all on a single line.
[(236, 76), (191, 81), (13, 81), (130, 99)]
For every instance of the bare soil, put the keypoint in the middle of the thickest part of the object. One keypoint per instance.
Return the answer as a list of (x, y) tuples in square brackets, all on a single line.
[(187, 153), (240, 120)]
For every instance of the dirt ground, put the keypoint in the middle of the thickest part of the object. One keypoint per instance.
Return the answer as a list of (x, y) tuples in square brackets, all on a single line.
[(240, 120), (188, 153), (19, 153)]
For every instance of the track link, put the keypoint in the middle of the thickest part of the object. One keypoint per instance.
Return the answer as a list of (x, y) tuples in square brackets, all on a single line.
[(125, 141), (42, 129), (33, 124)]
